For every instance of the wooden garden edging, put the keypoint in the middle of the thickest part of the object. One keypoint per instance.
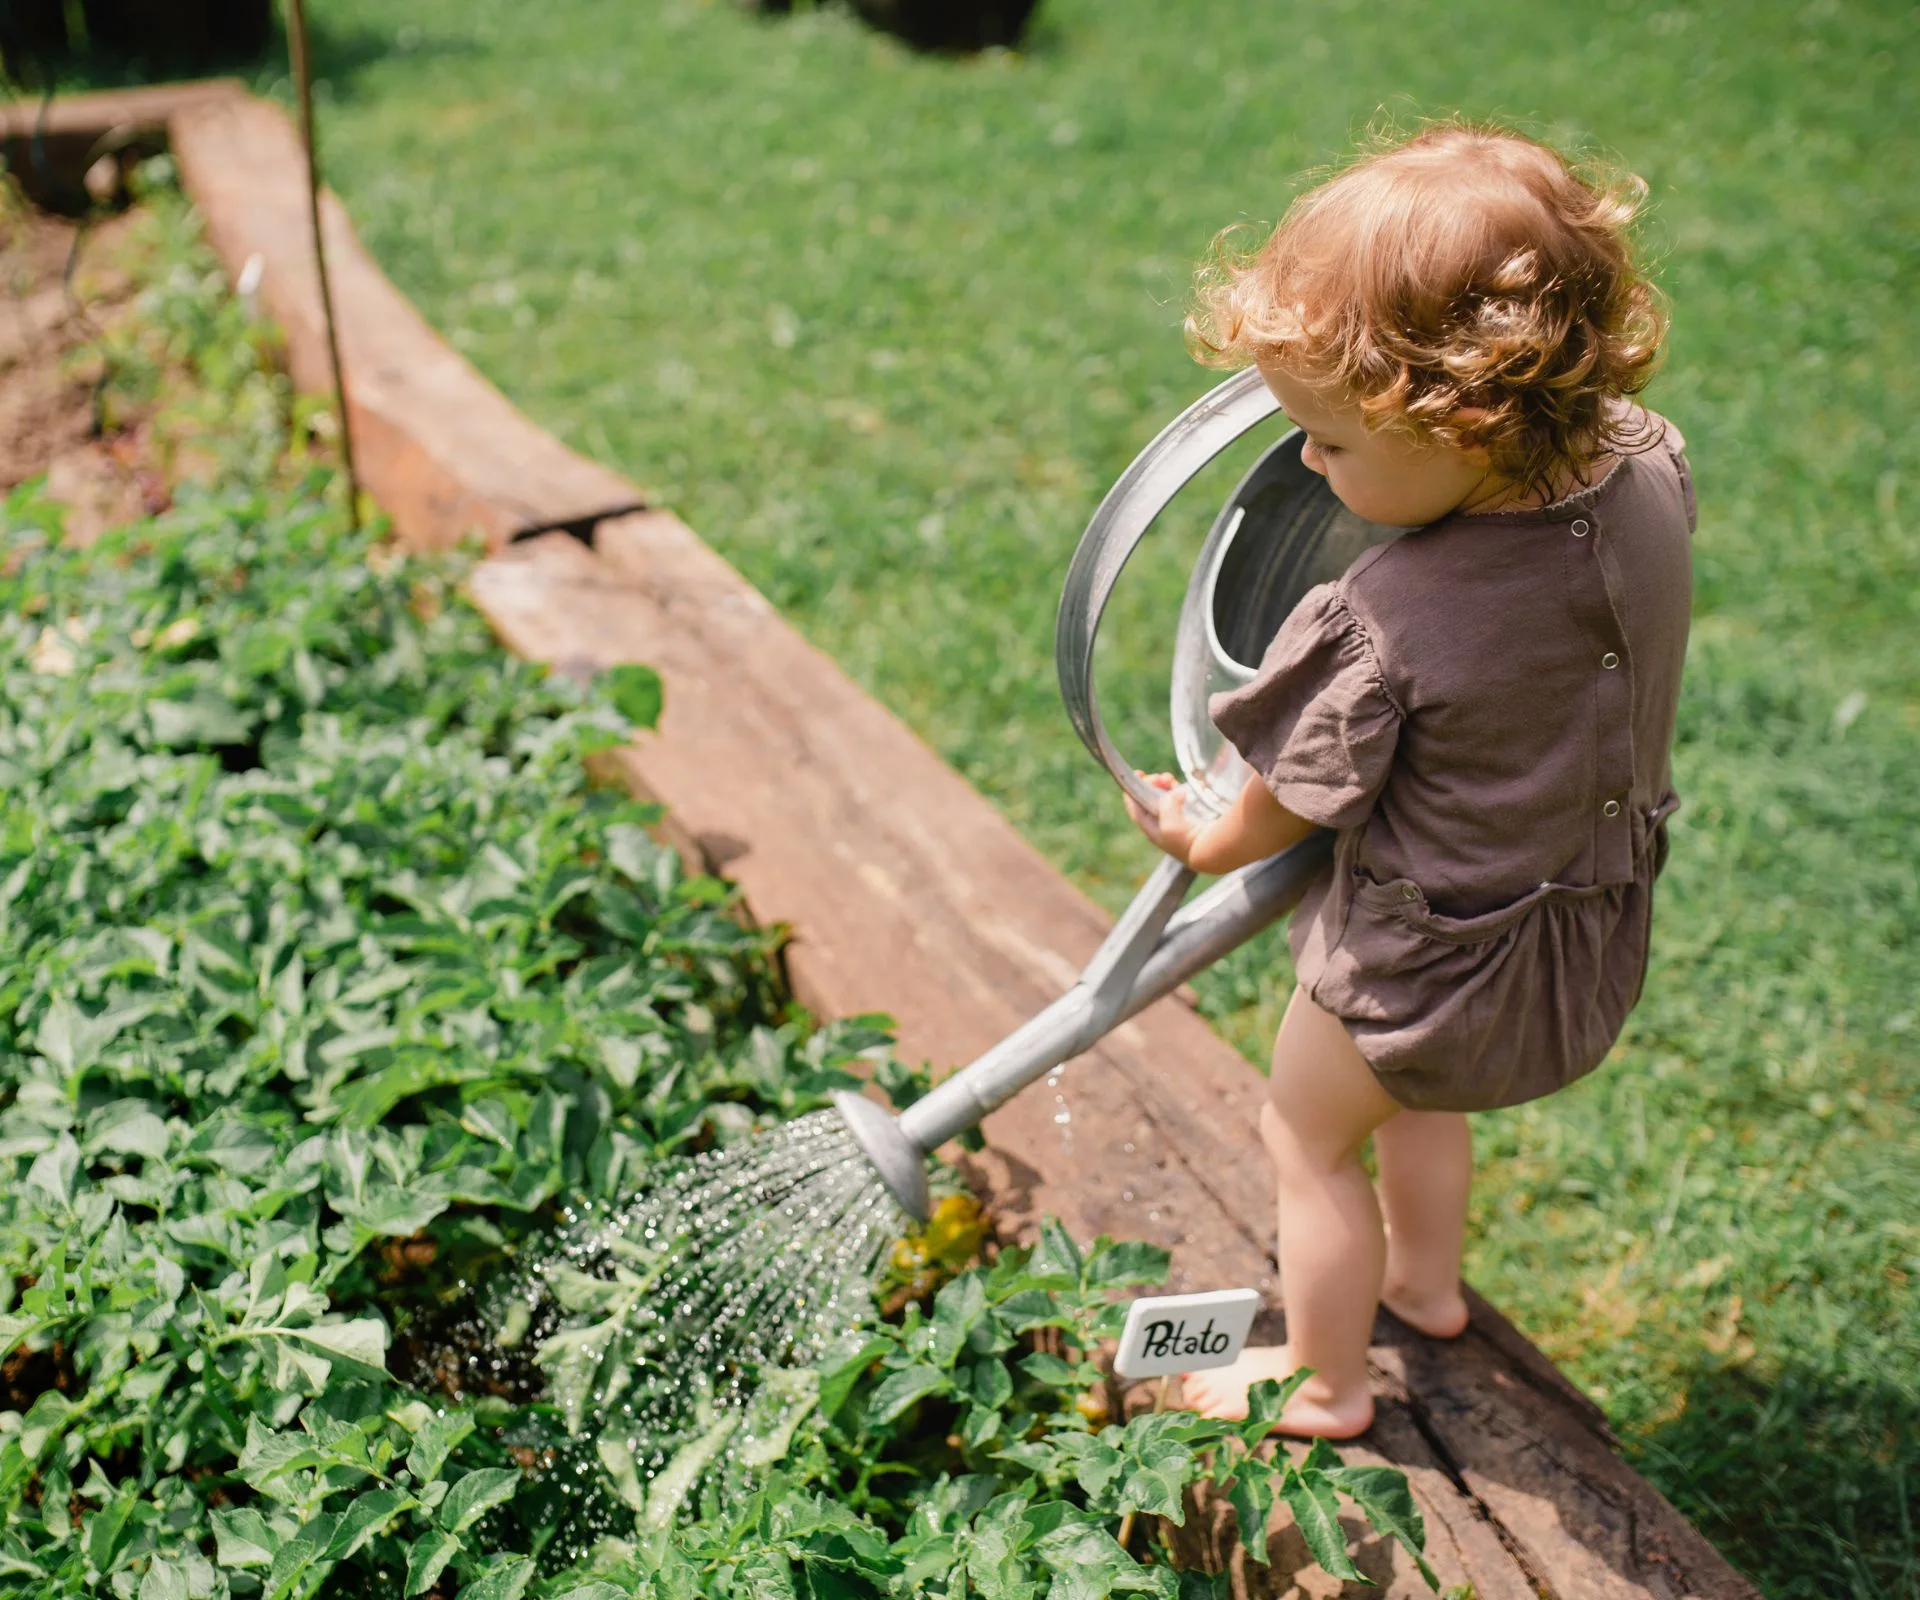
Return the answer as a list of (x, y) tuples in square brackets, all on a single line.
[(908, 893)]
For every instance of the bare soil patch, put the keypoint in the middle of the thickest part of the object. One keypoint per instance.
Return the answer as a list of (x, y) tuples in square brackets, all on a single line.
[(65, 284)]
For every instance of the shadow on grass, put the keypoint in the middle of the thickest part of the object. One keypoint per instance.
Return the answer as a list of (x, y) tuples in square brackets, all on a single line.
[(1810, 1483), (341, 53)]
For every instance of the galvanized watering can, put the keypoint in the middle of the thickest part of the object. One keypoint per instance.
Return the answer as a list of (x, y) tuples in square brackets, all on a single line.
[(1280, 533)]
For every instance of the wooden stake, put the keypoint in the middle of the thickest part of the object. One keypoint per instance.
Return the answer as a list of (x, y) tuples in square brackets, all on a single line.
[(303, 81)]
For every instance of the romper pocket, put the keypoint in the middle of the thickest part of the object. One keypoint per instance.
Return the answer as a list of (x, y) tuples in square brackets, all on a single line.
[(1408, 901)]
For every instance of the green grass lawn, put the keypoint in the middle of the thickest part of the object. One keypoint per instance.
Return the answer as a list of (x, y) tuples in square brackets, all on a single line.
[(884, 328)]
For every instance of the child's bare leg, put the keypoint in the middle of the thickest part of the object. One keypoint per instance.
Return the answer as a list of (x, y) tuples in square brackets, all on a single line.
[(1426, 1168), (1324, 1102)]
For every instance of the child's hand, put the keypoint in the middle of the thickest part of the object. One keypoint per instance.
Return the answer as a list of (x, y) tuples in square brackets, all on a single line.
[(1171, 828)]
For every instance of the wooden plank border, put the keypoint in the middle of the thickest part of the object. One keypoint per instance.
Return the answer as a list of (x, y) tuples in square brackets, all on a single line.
[(49, 144), (907, 891)]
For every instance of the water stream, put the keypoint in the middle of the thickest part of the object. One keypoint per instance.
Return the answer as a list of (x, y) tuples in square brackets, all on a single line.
[(685, 1313)]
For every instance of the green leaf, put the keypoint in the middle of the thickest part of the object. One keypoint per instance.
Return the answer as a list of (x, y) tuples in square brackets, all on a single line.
[(241, 1538), (1155, 1477), (53, 1171), (163, 1581), (238, 1148), (1266, 1403), (1316, 1513), (782, 1402), (427, 1557), (1098, 1466), (128, 1128), (957, 1310), (764, 1575), (508, 1581), (1035, 1455), (367, 1515), (361, 1341), (269, 1455), (45, 1421), (838, 1382), (621, 1470), (636, 693), (1130, 1261), (992, 1384), (905, 1388), (206, 719), (1057, 1253), (435, 1441), (1384, 1495), (398, 1213), (1250, 1493), (1088, 1563), (979, 1426), (677, 1479), (106, 1529), (297, 1557), (929, 1561), (475, 1494), (1051, 1370)]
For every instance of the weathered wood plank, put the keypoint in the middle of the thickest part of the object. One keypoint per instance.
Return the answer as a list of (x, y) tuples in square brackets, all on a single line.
[(48, 144), (89, 116), (1576, 1515)]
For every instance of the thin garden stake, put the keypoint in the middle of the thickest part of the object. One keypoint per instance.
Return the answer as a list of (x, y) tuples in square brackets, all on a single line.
[(303, 81)]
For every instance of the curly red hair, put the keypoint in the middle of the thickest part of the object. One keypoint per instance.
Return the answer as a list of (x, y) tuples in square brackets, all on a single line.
[(1466, 284)]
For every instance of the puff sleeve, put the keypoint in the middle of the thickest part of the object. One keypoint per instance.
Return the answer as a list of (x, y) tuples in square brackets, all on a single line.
[(1318, 722)]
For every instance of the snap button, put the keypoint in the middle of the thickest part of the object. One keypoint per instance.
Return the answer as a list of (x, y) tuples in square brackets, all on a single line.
[(1609, 661), (1409, 892), (1610, 809), (1582, 528)]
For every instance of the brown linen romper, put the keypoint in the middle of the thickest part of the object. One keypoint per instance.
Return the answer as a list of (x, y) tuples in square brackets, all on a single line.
[(1484, 711)]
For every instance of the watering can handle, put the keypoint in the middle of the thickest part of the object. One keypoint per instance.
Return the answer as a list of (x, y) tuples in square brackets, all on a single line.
[(1140, 494)]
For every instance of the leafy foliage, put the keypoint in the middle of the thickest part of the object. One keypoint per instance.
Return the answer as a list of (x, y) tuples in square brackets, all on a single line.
[(313, 936)]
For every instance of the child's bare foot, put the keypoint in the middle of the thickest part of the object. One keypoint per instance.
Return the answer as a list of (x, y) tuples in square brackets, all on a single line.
[(1438, 1316), (1314, 1412)]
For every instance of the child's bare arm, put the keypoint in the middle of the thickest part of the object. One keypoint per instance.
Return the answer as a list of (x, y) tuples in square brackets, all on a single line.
[(1254, 827)]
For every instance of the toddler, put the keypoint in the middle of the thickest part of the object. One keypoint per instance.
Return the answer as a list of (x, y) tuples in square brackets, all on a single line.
[(1482, 709)]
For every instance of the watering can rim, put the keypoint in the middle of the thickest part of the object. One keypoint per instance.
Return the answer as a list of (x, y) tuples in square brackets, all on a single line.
[(1169, 462)]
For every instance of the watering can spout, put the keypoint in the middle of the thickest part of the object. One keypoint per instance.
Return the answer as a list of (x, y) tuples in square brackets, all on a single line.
[(901, 1164), (1154, 948)]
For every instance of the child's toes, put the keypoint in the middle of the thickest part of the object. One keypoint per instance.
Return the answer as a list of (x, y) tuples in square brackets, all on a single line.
[(1214, 1393)]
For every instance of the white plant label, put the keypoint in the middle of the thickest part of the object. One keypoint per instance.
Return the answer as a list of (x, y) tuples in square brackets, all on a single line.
[(1185, 1332)]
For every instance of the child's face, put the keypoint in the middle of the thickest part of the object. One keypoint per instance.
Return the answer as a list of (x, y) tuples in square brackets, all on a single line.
[(1389, 478)]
